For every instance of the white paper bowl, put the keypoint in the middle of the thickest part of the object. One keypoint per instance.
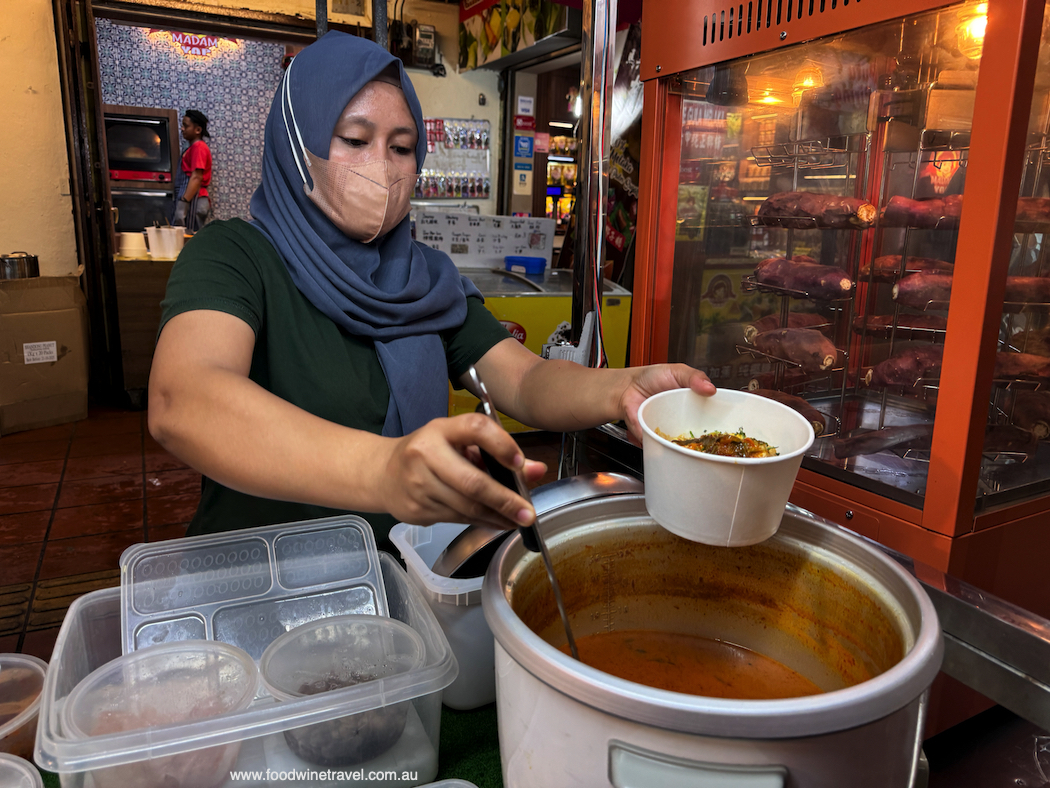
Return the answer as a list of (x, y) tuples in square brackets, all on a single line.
[(725, 501)]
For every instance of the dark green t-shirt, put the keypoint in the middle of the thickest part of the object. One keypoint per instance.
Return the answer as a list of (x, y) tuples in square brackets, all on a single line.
[(300, 355)]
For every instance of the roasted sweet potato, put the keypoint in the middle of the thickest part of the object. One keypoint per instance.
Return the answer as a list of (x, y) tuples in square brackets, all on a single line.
[(940, 213), (1021, 366), (808, 348), (795, 320), (914, 436), (809, 413), (803, 210), (929, 289), (1009, 439), (887, 267), (932, 289), (880, 325), (943, 213), (1027, 289), (824, 282), (1031, 411), (906, 367), (1032, 213), (788, 378)]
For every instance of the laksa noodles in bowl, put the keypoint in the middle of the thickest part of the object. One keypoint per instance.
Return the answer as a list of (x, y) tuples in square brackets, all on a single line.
[(724, 444), (719, 469)]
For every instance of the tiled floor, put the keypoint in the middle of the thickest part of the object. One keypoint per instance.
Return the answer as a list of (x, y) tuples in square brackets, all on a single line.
[(72, 499), (75, 496)]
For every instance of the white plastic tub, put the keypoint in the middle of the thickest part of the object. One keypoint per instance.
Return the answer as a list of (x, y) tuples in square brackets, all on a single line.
[(456, 605), (91, 636)]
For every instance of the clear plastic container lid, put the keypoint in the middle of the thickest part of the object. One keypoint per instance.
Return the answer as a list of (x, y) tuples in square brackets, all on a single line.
[(248, 587), (339, 652), (21, 680), (159, 686), (17, 772)]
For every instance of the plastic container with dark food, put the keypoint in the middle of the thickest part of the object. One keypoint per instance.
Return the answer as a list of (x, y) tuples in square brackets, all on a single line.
[(164, 685), (21, 680), (335, 654)]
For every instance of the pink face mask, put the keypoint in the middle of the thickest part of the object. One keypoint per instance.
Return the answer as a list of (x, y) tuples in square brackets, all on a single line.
[(362, 200)]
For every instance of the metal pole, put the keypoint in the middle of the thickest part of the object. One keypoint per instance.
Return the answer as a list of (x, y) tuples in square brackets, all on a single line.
[(596, 82), (379, 26), (321, 7), (592, 184)]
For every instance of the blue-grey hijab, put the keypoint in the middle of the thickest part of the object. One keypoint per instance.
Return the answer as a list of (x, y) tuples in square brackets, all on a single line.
[(395, 291)]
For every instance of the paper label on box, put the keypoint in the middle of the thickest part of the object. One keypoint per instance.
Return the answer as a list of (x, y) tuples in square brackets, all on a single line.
[(40, 352)]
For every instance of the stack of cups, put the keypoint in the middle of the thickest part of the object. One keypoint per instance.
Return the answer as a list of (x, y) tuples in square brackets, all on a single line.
[(132, 245)]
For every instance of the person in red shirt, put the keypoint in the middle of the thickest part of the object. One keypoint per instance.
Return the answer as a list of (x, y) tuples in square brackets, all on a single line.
[(193, 177)]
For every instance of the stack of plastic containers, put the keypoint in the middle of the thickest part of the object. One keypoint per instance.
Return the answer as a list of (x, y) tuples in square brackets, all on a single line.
[(247, 589)]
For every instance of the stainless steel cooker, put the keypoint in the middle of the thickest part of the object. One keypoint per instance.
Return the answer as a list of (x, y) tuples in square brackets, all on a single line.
[(814, 597)]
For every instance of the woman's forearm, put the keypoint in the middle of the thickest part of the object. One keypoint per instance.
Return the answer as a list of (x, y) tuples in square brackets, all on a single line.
[(564, 396), (247, 439)]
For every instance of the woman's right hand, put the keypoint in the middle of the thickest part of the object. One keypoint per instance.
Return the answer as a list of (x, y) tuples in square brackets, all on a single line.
[(434, 475)]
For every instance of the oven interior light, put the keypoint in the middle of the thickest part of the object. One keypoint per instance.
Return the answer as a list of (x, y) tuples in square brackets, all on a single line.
[(971, 29)]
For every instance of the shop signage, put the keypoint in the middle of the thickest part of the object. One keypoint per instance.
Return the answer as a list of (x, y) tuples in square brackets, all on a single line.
[(543, 142), (522, 178), (192, 44), (524, 123), (516, 330), (522, 147), (525, 105)]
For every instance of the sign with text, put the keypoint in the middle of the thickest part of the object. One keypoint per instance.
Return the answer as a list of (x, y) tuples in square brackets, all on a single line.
[(522, 147), (522, 178), (524, 123), (40, 352)]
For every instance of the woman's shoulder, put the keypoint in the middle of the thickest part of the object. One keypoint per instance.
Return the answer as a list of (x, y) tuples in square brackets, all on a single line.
[(231, 234), (233, 243)]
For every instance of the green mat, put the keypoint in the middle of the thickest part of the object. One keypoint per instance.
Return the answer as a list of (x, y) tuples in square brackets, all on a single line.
[(469, 747)]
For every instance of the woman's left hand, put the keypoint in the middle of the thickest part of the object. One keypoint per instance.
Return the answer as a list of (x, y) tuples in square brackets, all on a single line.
[(656, 378)]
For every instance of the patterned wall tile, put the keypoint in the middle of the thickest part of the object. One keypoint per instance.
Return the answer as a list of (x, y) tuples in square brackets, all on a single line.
[(233, 86)]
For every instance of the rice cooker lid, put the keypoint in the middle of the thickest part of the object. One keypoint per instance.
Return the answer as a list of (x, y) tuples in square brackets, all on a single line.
[(753, 719)]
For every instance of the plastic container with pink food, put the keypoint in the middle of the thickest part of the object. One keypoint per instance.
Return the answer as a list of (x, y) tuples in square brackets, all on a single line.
[(21, 680), (144, 719)]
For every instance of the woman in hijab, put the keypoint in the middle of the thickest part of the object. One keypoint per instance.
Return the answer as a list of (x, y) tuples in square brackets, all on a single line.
[(304, 358)]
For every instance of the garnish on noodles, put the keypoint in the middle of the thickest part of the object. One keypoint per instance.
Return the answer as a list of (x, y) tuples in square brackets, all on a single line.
[(723, 444)]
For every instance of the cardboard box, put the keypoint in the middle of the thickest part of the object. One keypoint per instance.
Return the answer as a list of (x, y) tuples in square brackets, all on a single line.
[(43, 353)]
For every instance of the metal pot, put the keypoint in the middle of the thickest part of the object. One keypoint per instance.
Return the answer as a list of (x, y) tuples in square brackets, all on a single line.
[(19, 265), (824, 603)]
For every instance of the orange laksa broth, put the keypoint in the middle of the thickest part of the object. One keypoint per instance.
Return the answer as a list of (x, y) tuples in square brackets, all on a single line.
[(692, 665)]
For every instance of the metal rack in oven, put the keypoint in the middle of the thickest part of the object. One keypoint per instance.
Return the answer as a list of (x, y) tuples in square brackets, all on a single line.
[(935, 147), (843, 158)]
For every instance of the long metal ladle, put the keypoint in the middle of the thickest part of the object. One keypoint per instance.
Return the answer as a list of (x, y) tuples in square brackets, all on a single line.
[(515, 480)]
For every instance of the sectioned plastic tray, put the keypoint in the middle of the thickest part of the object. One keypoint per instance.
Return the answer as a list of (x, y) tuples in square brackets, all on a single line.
[(248, 587)]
